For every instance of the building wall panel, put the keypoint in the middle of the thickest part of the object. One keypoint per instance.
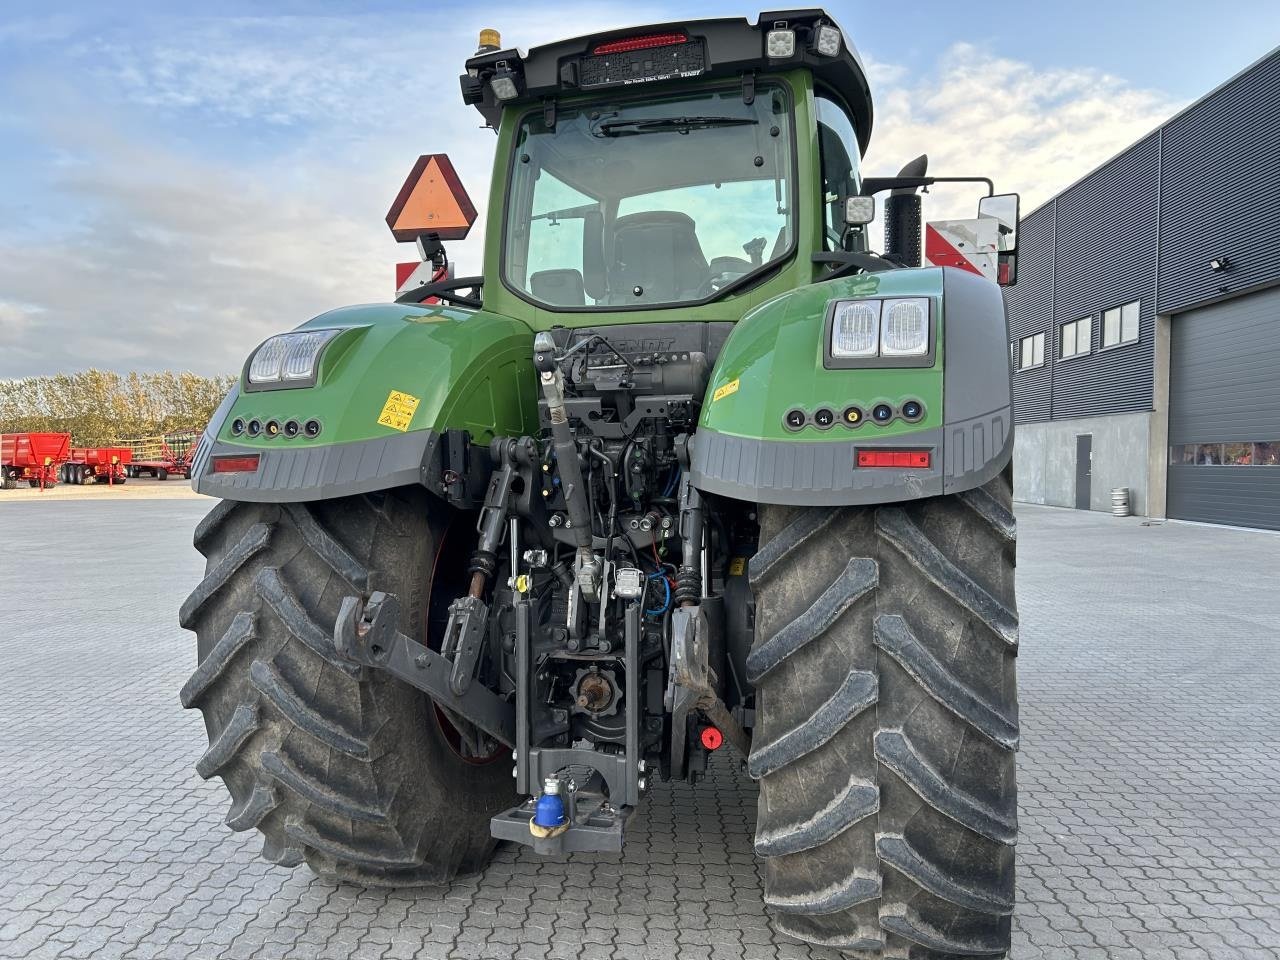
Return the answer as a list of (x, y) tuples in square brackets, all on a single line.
[(1220, 191)]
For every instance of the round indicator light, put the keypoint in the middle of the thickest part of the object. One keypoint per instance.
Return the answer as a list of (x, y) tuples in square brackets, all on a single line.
[(254, 427), (237, 426), (912, 410), (852, 416), (311, 428), (882, 413), (711, 738), (824, 417), (795, 419), (273, 428), (292, 428)]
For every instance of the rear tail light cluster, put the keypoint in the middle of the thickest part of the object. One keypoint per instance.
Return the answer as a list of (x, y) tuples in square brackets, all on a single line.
[(881, 414), (253, 427)]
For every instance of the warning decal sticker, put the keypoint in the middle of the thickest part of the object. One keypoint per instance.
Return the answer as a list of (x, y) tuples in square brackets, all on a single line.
[(724, 391), (398, 411)]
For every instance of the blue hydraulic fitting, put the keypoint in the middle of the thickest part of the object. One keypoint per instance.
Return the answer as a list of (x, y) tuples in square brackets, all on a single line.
[(549, 818)]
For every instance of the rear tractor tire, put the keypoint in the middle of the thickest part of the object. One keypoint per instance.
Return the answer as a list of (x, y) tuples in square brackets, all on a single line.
[(348, 769), (884, 659)]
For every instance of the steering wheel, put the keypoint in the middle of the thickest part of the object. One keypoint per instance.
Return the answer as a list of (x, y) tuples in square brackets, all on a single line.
[(725, 270)]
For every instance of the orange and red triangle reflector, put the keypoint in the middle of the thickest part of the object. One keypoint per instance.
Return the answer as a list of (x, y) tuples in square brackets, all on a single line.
[(432, 200)]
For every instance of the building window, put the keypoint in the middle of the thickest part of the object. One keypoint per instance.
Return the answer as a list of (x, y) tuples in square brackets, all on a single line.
[(1030, 352), (1075, 338), (1120, 325), (1261, 453)]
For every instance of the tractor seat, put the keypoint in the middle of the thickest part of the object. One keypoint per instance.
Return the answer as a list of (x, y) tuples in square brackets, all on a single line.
[(658, 252)]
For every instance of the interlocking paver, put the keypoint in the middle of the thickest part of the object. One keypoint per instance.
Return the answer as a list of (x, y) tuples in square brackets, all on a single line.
[(1149, 775)]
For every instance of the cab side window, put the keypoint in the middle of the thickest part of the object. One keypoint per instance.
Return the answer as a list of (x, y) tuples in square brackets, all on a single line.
[(838, 155)]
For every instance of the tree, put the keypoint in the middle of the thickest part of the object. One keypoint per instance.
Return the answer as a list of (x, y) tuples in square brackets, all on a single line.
[(99, 406)]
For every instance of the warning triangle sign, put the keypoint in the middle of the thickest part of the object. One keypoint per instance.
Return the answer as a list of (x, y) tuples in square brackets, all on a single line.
[(432, 200)]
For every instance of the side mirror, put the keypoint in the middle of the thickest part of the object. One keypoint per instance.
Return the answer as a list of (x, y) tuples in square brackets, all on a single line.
[(1003, 208), (859, 210)]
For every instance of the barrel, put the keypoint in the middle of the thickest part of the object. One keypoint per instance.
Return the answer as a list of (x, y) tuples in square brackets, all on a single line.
[(1120, 501)]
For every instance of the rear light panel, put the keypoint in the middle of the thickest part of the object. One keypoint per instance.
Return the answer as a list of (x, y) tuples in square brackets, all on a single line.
[(234, 463), (908, 459), (647, 42), (644, 59)]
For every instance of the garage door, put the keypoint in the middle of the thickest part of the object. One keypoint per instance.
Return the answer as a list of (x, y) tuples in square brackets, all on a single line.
[(1224, 413)]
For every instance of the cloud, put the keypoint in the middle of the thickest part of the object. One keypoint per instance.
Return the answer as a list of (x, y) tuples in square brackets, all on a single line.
[(183, 256), (15, 320), (1034, 132), (228, 179)]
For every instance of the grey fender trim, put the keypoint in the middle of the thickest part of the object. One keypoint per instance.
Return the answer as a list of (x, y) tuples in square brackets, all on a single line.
[(976, 450), (808, 472), (292, 474)]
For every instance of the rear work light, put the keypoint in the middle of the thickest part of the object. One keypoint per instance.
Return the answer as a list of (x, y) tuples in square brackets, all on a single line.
[(894, 458), (647, 42), (235, 463)]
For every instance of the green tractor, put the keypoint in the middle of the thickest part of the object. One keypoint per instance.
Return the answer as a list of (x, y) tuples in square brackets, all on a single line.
[(690, 467)]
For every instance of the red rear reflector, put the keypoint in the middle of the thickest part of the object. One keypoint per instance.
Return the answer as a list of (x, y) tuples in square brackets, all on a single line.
[(641, 43), (234, 464), (711, 738), (894, 458)]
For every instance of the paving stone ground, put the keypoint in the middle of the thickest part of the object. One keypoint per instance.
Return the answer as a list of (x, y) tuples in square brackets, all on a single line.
[(1149, 775)]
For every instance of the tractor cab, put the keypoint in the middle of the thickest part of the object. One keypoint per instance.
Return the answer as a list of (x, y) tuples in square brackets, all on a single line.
[(697, 166), (705, 166)]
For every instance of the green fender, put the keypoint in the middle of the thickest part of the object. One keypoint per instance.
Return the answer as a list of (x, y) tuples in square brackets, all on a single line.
[(387, 388), (774, 366)]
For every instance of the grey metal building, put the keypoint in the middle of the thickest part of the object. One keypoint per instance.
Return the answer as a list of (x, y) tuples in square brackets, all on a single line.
[(1146, 320)]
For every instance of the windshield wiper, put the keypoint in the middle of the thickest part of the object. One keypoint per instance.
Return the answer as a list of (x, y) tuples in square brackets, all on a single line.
[(630, 128)]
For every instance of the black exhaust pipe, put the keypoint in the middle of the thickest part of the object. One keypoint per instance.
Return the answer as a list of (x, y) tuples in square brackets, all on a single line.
[(902, 217)]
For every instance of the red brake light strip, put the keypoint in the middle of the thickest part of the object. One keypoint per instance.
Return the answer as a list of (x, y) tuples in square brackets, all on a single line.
[(647, 42)]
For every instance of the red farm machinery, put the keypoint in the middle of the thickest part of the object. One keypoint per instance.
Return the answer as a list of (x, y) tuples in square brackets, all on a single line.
[(33, 457), (96, 465), (162, 457)]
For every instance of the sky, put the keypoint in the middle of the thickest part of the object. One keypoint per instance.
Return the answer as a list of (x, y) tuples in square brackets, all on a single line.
[(177, 186)]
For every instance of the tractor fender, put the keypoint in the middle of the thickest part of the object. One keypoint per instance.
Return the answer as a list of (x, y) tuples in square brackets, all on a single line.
[(776, 368), (388, 386)]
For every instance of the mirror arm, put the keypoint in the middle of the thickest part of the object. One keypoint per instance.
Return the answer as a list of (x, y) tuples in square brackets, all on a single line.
[(874, 185), (847, 261), (443, 289)]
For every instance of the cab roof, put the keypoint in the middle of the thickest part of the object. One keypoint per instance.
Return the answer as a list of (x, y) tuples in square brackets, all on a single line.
[(668, 53)]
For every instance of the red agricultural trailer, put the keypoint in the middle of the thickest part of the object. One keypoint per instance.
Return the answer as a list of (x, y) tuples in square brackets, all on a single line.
[(163, 457), (96, 465), (33, 457)]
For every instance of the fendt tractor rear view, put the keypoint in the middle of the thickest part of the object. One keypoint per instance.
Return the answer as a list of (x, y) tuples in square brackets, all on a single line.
[(689, 468)]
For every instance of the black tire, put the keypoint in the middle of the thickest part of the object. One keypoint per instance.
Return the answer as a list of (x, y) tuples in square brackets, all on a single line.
[(887, 722), (33, 483), (122, 478), (161, 474), (9, 482), (347, 768)]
